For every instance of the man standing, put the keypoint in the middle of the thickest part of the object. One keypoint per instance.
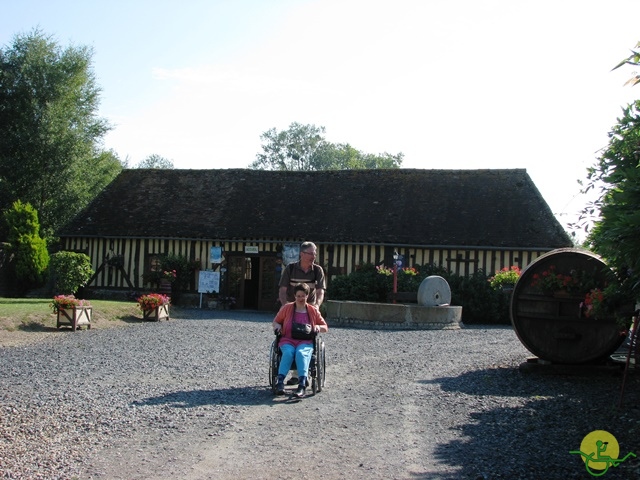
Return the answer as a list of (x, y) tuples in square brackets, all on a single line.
[(303, 271)]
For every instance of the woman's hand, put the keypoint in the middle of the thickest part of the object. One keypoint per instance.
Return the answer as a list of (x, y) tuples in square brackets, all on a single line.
[(277, 328)]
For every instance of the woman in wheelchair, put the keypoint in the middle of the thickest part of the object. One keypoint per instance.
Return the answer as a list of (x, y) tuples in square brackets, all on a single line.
[(294, 344)]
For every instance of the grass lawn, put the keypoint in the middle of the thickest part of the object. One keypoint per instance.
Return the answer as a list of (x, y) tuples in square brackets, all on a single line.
[(34, 314)]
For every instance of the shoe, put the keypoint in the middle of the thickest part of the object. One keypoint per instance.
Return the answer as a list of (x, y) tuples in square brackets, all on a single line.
[(280, 386), (292, 381), (301, 386), (299, 393)]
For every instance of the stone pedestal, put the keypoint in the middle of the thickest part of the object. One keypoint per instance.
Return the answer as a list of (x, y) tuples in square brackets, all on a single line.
[(393, 316)]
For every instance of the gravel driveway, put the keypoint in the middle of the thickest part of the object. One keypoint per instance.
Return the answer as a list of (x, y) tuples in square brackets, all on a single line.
[(189, 399)]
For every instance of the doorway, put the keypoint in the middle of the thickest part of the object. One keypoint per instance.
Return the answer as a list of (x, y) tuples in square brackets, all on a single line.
[(253, 281)]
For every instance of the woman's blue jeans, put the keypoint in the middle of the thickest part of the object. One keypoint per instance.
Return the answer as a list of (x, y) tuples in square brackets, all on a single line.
[(303, 358)]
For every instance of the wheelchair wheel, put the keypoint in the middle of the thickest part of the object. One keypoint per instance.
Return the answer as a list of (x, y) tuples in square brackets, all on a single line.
[(320, 365), (273, 365), (317, 380)]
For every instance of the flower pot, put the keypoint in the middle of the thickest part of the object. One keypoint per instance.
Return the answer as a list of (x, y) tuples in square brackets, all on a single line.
[(161, 312), (75, 317), (212, 304)]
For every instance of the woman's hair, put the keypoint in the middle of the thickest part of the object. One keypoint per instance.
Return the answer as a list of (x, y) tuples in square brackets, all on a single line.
[(301, 287)]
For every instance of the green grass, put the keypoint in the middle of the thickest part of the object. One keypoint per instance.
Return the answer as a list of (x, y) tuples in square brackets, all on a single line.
[(31, 314)]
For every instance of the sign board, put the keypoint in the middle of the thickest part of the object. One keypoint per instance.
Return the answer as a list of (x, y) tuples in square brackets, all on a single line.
[(208, 281), (216, 254), (251, 250), (290, 253)]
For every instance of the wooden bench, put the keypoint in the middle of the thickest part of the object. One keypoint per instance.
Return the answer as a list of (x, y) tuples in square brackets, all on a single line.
[(403, 297)]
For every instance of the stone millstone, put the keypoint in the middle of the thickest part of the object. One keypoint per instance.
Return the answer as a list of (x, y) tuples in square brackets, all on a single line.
[(434, 291)]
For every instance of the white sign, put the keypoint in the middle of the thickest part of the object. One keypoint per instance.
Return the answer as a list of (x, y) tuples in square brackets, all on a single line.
[(251, 250), (208, 281)]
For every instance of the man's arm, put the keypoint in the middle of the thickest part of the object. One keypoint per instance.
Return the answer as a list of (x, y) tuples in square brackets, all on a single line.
[(319, 296), (282, 295)]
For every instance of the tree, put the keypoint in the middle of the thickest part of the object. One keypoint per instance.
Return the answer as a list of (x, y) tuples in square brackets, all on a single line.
[(633, 59), (303, 147), (28, 250), (70, 271), (291, 149), (616, 210), (616, 231), (343, 156), (155, 161), (50, 135)]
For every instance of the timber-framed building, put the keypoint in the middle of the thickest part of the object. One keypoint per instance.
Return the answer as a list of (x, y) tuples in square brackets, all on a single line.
[(463, 220)]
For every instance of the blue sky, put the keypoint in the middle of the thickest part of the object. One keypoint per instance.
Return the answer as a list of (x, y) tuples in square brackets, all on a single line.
[(450, 83)]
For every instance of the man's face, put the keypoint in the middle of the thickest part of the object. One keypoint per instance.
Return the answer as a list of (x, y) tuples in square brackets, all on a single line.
[(308, 255)]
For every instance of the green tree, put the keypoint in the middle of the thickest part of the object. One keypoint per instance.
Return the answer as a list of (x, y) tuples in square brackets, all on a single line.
[(70, 271), (28, 251), (50, 135), (291, 149), (303, 147), (616, 231), (343, 156), (633, 59), (615, 212), (155, 161)]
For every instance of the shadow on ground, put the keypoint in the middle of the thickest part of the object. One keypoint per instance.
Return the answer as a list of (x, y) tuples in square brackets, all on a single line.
[(533, 440), (254, 395)]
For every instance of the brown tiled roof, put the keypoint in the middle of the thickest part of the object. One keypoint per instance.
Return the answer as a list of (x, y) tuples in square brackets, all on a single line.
[(487, 208)]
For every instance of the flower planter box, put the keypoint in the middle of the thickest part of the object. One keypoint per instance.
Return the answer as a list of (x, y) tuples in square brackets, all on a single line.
[(161, 312), (75, 317)]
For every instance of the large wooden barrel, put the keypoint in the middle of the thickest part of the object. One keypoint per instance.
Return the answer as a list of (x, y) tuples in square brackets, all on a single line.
[(552, 325)]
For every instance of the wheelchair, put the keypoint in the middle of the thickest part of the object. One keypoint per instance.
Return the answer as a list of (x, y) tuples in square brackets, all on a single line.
[(316, 366)]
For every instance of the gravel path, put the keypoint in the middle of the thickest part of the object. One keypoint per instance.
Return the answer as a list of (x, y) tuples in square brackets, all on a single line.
[(189, 399)]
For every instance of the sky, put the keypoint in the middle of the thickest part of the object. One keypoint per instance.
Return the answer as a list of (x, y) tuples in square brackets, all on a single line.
[(452, 84)]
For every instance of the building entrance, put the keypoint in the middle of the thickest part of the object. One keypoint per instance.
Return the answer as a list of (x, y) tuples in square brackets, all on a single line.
[(253, 281)]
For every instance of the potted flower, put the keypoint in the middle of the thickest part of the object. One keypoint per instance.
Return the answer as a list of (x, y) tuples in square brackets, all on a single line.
[(610, 302), (169, 275), (71, 311), (593, 303), (505, 279), (154, 306), (549, 281)]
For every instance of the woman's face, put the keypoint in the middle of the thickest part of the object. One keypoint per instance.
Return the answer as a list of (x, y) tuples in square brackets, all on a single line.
[(301, 297)]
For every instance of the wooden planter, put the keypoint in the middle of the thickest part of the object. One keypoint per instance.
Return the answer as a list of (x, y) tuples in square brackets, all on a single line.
[(161, 312), (75, 317)]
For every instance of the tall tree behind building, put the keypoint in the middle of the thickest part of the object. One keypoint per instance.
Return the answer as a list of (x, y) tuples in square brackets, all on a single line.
[(303, 147), (50, 135)]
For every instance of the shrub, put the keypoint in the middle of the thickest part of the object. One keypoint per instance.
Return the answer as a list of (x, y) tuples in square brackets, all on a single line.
[(27, 249), (505, 277), (70, 271), (364, 284), (180, 269), (480, 303)]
